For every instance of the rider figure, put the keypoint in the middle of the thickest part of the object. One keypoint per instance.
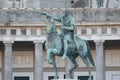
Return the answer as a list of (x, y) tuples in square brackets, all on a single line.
[(67, 30)]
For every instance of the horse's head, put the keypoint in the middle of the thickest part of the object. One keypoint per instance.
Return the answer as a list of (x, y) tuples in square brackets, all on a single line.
[(51, 27)]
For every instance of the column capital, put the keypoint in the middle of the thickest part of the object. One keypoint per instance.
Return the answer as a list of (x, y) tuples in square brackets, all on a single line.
[(99, 42), (8, 42), (38, 42)]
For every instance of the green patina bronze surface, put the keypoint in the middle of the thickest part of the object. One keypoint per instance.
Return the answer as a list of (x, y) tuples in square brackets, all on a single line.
[(67, 43)]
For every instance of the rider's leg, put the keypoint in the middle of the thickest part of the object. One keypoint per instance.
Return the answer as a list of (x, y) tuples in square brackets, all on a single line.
[(65, 49)]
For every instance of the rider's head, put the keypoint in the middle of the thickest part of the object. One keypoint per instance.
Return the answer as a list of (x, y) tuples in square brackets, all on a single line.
[(66, 12)]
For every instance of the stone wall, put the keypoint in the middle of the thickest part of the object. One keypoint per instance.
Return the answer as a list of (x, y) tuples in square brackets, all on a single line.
[(60, 3), (81, 3), (33, 4), (100, 15), (114, 3)]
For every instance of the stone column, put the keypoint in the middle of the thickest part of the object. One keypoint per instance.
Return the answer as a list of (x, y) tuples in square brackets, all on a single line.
[(8, 74), (100, 63), (38, 68)]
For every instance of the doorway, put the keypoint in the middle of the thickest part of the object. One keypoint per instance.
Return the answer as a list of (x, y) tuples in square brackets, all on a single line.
[(22, 78), (84, 77)]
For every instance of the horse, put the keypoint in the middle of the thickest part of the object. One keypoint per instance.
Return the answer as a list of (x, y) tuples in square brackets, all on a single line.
[(54, 46)]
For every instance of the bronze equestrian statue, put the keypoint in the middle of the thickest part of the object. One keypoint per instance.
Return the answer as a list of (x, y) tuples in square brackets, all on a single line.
[(67, 43)]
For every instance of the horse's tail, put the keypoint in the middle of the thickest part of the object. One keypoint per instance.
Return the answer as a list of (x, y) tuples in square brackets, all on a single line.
[(89, 54), (84, 50)]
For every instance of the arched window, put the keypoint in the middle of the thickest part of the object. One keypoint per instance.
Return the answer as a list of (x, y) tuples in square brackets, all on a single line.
[(15, 3), (80, 3)]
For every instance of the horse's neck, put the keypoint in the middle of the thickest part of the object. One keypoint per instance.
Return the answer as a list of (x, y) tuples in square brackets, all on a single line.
[(51, 32), (52, 35), (51, 27), (54, 41)]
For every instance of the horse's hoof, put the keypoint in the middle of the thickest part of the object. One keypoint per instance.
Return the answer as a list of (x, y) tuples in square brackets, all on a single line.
[(50, 61)]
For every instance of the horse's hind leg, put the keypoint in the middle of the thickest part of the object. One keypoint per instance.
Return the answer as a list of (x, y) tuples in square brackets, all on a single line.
[(73, 60), (85, 61), (88, 66)]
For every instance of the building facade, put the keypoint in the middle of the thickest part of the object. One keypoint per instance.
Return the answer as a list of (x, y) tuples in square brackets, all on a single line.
[(22, 39), (59, 3)]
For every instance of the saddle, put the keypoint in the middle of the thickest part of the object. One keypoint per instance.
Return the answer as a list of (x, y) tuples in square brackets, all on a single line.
[(71, 47)]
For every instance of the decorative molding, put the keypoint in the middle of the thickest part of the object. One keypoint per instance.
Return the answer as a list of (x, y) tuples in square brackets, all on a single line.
[(115, 35), (8, 42), (112, 58), (22, 59), (99, 42), (38, 42)]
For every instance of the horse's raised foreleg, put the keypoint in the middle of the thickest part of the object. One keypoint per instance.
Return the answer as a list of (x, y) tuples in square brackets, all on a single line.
[(73, 60), (55, 67), (88, 66), (48, 57), (50, 52)]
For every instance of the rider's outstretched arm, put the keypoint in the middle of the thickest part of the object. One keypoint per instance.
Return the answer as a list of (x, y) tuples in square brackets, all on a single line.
[(49, 15), (46, 14), (57, 18)]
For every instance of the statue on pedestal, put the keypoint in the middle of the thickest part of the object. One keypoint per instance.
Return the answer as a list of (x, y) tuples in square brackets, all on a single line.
[(66, 44)]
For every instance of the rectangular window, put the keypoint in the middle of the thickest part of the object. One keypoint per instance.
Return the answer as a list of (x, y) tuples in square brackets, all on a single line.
[(33, 31), (21, 78), (114, 30), (104, 31), (84, 77), (83, 31), (13, 31), (94, 30), (51, 77), (23, 32), (18, 3), (43, 31), (2, 31)]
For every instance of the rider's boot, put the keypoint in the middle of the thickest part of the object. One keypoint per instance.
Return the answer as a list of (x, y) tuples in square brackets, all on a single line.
[(65, 49), (64, 55)]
